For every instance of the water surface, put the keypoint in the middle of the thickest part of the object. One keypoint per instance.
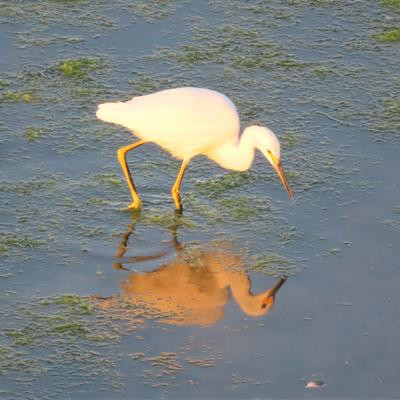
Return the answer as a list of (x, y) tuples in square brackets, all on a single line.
[(320, 74)]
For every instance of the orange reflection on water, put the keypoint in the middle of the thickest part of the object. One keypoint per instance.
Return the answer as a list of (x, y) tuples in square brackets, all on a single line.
[(193, 289)]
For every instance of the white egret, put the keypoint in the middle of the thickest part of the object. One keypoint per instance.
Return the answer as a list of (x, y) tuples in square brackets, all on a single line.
[(189, 121)]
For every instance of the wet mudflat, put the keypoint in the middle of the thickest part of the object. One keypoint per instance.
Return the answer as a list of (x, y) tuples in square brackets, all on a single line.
[(76, 319)]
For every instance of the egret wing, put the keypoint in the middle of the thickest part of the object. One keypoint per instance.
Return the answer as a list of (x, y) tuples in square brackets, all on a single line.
[(184, 121)]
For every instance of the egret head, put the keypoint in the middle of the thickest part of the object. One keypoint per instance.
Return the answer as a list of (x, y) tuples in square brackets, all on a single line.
[(266, 141)]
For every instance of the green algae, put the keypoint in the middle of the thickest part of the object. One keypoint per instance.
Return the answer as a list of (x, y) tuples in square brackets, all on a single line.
[(274, 265), (89, 232), (233, 30), (31, 134), (392, 35), (35, 133), (20, 337), (320, 2), (393, 106), (98, 201), (168, 220), (54, 13), (144, 83), (271, 98), (193, 55), (207, 213), (385, 119), (108, 179), (75, 303), (80, 67), (11, 360), (216, 187), (88, 93), (76, 341), (18, 97), (69, 1), (155, 10), (71, 328), (32, 39), (288, 234), (288, 64), (321, 71), (292, 138), (10, 242), (241, 208), (391, 3), (28, 187), (63, 317), (221, 48)]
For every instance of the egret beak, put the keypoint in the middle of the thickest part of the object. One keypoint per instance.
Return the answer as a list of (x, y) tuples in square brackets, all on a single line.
[(276, 163)]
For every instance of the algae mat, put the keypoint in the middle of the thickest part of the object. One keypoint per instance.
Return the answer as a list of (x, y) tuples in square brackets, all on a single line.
[(324, 76)]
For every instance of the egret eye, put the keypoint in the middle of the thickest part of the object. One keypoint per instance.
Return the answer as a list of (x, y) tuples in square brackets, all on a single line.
[(263, 305)]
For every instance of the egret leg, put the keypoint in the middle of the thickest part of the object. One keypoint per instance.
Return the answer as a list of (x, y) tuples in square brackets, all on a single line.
[(121, 153), (177, 185)]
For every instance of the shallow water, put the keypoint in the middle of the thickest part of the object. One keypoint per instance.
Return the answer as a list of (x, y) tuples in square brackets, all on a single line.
[(318, 74)]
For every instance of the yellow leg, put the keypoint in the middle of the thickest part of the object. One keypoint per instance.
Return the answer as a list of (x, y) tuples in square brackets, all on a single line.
[(177, 185), (121, 153)]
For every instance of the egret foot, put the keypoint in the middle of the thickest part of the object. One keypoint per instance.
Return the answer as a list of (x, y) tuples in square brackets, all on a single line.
[(177, 200), (179, 211), (134, 206)]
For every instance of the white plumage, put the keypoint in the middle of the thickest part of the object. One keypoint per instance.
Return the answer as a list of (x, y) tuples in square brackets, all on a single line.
[(183, 121), (190, 121)]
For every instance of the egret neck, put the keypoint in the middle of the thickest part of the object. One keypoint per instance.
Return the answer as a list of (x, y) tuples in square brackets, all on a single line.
[(237, 155)]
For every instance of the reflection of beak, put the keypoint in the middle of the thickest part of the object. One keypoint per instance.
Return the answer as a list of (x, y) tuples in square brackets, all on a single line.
[(281, 173), (270, 299), (277, 286)]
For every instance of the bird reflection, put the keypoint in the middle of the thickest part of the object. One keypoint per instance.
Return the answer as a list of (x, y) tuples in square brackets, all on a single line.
[(193, 289)]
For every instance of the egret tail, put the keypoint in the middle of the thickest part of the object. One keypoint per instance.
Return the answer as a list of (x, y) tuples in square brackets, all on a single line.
[(112, 112)]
